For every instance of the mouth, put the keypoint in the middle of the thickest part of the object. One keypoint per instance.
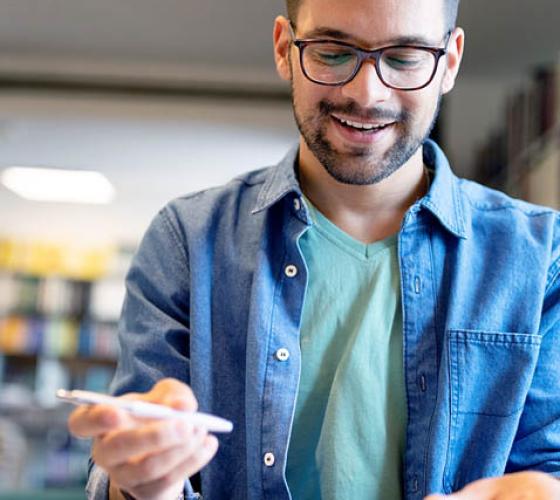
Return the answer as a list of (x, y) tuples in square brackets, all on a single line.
[(361, 126), (361, 130)]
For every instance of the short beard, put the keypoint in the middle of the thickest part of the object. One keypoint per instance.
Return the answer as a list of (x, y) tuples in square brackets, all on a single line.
[(366, 171)]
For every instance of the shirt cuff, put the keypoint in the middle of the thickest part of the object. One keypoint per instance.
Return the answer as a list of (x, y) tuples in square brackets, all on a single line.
[(97, 487)]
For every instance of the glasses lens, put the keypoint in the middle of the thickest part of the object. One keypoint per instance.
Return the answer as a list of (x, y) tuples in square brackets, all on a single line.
[(406, 67), (328, 62)]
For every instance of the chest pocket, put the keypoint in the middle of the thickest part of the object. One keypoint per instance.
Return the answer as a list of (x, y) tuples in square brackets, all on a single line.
[(490, 374)]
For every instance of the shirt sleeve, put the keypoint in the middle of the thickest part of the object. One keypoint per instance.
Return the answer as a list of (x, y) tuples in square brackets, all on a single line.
[(537, 444), (97, 487), (154, 326)]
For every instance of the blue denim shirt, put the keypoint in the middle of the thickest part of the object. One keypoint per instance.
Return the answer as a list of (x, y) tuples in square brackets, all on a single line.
[(218, 284)]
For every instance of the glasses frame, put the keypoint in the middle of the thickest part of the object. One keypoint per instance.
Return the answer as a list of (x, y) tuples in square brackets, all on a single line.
[(365, 55)]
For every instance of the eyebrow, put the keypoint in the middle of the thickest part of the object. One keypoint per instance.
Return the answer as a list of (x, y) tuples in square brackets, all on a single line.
[(326, 32)]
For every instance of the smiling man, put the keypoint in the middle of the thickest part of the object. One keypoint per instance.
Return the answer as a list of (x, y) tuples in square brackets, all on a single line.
[(375, 327)]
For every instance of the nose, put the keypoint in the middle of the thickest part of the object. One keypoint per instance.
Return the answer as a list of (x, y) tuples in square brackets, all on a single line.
[(366, 88)]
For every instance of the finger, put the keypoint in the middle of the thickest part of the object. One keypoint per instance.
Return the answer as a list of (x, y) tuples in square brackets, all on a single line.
[(173, 393), (455, 496), (150, 468), (166, 487), (467, 495), (116, 447), (91, 421), (180, 473), (132, 395), (205, 454), (483, 489)]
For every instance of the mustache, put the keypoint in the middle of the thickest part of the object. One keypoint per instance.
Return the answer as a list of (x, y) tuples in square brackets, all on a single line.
[(352, 108)]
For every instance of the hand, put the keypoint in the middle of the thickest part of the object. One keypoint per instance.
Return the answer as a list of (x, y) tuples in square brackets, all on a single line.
[(518, 486), (149, 459)]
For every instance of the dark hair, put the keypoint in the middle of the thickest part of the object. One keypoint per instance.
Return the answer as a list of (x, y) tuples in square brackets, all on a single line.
[(451, 8)]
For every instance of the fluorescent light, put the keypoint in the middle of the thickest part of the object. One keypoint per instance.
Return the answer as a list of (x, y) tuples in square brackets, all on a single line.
[(58, 185)]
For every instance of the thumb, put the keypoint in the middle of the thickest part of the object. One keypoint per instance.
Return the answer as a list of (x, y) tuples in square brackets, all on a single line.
[(171, 392), (436, 496)]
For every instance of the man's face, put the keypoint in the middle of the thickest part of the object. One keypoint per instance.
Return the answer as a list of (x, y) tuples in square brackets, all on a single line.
[(402, 119)]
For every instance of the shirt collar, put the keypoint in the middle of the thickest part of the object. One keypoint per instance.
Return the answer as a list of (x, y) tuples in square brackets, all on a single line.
[(281, 180), (443, 199)]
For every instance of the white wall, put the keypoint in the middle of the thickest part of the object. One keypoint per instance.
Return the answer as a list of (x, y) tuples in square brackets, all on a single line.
[(151, 150), (155, 149)]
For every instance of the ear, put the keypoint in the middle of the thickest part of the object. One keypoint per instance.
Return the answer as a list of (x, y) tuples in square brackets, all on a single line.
[(282, 44), (455, 50)]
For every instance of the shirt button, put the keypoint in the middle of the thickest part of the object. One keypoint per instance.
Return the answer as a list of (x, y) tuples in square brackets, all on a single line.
[(291, 271), (282, 354), (269, 459), (297, 204)]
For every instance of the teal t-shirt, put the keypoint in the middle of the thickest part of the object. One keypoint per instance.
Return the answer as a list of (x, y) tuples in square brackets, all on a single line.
[(349, 427)]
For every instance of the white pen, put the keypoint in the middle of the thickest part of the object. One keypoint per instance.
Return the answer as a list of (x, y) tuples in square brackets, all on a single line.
[(143, 409)]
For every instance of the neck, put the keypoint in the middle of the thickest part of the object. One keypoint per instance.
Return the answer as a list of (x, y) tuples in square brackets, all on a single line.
[(368, 213)]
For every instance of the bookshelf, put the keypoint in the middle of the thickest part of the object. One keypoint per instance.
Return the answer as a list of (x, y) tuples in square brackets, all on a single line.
[(59, 308), (523, 157)]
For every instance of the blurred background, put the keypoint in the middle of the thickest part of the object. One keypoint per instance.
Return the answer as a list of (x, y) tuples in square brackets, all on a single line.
[(109, 108)]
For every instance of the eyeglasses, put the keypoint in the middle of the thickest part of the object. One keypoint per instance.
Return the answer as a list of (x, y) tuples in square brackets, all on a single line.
[(400, 67)]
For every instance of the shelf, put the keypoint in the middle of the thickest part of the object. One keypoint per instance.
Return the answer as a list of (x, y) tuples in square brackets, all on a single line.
[(70, 360), (57, 330)]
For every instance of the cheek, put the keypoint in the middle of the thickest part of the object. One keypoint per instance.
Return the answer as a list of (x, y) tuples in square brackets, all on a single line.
[(308, 95), (421, 105)]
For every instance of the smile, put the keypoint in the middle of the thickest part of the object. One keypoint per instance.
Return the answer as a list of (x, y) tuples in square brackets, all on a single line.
[(361, 125)]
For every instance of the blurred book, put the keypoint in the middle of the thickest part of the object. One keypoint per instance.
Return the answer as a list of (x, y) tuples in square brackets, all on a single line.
[(51, 375), (107, 297), (531, 122), (8, 292)]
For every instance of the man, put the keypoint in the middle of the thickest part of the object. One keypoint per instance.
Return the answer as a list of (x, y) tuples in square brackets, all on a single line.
[(373, 326)]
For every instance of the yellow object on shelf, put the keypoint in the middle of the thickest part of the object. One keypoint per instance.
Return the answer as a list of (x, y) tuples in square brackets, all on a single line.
[(50, 259), (13, 334)]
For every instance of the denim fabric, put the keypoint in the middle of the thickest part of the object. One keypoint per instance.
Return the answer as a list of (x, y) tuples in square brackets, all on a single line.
[(210, 299)]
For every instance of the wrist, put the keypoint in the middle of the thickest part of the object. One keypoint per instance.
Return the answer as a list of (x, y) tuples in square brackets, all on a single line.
[(128, 496)]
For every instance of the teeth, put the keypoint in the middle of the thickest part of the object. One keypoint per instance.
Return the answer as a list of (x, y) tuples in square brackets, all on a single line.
[(361, 126)]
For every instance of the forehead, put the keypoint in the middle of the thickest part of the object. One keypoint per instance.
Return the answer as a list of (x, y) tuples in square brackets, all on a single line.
[(375, 21)]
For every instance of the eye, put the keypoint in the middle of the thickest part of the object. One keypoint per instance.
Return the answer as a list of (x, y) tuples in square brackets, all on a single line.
[(331, 55), (405, 58), (334, 58)]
